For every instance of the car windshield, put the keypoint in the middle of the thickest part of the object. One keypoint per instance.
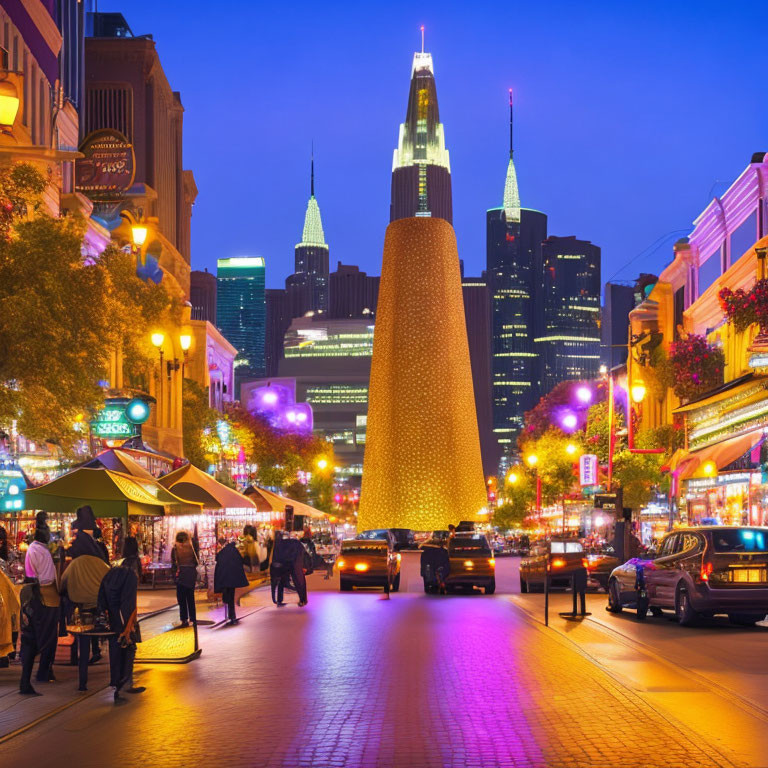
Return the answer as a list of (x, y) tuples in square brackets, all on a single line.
[(349, 548), (740, 540), (373, 535), (561, 547), (478, 544)]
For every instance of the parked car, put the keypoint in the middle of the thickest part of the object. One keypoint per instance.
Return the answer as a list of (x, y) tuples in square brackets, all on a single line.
[(563, 557), (600, 565), (698, 572), (369, 562), (402, 538), (472, 563)]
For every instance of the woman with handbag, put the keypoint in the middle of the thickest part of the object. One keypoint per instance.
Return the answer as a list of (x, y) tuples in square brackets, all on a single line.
[(184, 560)]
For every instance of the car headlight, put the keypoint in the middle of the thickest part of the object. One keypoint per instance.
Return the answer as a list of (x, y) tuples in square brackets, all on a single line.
[(361, 567), (492, 562), (469, 564), (341, 563)]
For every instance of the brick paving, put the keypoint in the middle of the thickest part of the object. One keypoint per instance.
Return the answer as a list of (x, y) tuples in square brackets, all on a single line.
[(356, 681)]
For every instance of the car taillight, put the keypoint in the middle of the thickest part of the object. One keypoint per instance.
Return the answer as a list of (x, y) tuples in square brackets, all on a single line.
[(399, 557), (361, 566), (585, 563), (706, 571), (492, 561), (558, 562), (469, 564), (341, 563)]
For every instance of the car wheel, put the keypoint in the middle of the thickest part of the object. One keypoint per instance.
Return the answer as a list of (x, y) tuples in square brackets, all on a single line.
[(345, 585), (523, 586), (684, 612), (745, 619), (614, 597), (396, 584), (491, 588)]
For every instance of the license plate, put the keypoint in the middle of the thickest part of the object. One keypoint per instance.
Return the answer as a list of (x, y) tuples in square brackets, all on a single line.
[(748, 575)]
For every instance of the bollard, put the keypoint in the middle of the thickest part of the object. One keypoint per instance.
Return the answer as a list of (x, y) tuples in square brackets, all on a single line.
[(579, 590), (546, 595)]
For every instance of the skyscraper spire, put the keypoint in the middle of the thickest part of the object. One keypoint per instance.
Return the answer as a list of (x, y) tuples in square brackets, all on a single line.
[(312, 173), (511, 194), (313, 226)]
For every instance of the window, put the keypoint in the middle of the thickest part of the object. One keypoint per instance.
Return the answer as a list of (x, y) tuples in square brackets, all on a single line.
[(690, 543), (668, 546)]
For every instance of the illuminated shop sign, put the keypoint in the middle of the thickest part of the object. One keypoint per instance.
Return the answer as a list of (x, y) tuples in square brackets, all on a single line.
[(12, 485), (120, 418)]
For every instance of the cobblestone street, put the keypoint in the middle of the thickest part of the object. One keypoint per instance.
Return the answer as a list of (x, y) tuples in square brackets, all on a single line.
[(358, 681)]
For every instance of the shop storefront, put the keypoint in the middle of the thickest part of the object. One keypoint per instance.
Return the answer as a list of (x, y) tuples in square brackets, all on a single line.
[(730, 498)]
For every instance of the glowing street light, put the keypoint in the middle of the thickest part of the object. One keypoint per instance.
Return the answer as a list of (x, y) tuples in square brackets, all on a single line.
[(569, 421), (512, 478), (638, 392), (158, 339), (710, 468), (532, 459), (322, 463), (584, 394), (185, 342), (139, 234), (570, 449), (9, 103)]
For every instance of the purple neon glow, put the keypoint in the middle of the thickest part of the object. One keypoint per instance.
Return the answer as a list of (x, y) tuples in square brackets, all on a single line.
[(269, 398), (584, 394), (277, 403), (569, 421)]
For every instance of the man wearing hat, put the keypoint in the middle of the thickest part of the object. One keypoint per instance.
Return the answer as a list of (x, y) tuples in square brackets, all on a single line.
[(84, 527), (40, 608)]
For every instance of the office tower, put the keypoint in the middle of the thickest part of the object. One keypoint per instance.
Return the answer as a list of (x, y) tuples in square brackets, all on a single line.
[(619, 300), (278, 320), (202, 295), (513, 249), (477, 314), (421, 171), (308, 285), (568, 311), (423, 468), (353, 292), (241, 313)]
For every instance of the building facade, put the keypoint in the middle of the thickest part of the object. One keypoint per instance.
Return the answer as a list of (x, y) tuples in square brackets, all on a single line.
[(353, 292), (202, 295), (278, 320), (421, 170), (241, 313), (567, 342), (618, 302), (330, 360)]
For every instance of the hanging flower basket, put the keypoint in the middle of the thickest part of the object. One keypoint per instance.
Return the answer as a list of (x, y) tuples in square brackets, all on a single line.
[(746, 308), (694, 366)]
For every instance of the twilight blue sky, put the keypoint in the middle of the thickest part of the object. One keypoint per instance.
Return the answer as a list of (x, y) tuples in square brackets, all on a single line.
[(629, 116)]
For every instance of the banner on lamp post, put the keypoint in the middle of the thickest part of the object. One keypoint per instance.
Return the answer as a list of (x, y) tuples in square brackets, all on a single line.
[(588, 469)]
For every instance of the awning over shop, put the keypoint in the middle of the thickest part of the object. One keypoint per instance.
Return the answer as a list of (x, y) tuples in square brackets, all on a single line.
[(277, 503), (723, 392), (721, 454), (193, 484), (119, 461), (110, 494)]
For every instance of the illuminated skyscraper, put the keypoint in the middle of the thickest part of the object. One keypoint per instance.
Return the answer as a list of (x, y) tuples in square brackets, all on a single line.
[(421, 171), (513, 249), (568, 311), (308, 286), (241, 313)]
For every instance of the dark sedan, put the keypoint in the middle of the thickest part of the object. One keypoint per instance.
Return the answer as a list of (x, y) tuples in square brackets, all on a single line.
[(698, 572)]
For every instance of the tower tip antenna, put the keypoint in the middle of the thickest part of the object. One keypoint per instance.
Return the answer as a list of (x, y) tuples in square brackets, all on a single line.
[(312, 171), (422, 38)]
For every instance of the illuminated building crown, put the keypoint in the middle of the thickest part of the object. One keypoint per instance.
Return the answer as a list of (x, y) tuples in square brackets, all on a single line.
[(313, 225)]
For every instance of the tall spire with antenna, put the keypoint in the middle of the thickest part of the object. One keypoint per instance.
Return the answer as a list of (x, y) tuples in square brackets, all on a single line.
[(422, 38), (312, 173), (511, 192)]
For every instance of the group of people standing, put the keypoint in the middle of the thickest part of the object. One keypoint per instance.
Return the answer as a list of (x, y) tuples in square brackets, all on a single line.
[(51, 605)]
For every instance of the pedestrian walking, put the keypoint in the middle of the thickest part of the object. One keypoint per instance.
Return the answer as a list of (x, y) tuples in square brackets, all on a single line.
[(288, 561), (184, 561), (117, 596), (246, 545), (39, 568), (131, 557), (84, 526), (80, 583), (228, 576)]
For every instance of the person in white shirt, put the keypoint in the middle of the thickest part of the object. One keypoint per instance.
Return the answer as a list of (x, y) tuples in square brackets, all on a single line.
[(41, 632)]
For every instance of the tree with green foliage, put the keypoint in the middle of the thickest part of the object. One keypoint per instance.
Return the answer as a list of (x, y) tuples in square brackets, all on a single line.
[(198, 419), (61, 316)]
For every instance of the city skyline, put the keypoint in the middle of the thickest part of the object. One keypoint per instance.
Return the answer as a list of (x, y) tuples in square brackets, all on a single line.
[(615, 134)]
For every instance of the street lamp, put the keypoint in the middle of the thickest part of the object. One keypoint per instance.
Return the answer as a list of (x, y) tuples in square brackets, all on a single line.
[(157, 342), (710, 468), (322, 463), (512, 478), (9, 104), (584, 394), (570, 449), (638, 392), (570, 421), (532, 459), (139, 234)]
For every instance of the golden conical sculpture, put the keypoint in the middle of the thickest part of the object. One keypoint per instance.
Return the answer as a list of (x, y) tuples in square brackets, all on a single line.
[(422, 456)]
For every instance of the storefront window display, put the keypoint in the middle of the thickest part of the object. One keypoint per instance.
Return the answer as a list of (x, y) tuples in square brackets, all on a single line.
[(728, 499)]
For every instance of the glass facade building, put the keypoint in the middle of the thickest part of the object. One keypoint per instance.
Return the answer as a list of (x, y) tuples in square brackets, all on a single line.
[(568, 311), (241, 313)]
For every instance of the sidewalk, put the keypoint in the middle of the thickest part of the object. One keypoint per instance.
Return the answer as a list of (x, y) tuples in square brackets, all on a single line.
[(158, 613)]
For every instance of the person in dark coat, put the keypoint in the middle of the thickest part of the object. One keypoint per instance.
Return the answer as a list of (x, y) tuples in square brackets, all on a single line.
[(3, 543), (288, 564), (228, 575), (435, 566), (99, 539), (84, 542), (131, 558), (184, 561), (117, 596)]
